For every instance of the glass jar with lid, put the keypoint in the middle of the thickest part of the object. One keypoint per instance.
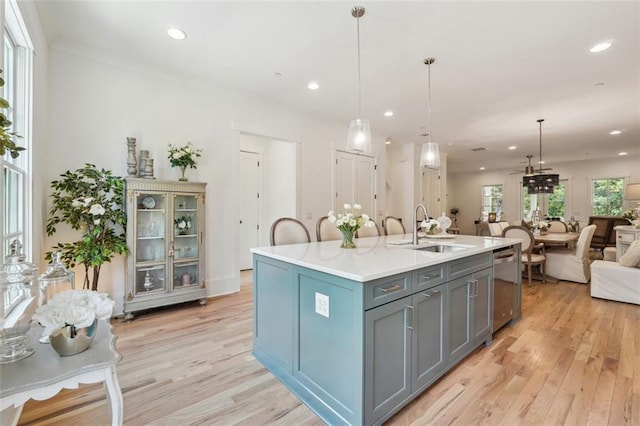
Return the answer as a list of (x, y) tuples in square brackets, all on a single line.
[(19, 303), (57, 278)]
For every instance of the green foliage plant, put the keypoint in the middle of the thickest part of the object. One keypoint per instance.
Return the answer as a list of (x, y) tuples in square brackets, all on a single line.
[(91, 201), (6, 136)]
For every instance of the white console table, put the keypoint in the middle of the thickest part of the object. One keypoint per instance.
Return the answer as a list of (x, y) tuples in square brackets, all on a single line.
[(625, 235), (45, 373)]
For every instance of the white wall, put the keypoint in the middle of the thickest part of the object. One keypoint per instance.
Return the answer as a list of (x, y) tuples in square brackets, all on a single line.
[(465, 188), (94, 106)]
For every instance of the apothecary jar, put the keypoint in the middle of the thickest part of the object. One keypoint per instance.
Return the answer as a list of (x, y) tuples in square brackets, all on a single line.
[(19, 303)]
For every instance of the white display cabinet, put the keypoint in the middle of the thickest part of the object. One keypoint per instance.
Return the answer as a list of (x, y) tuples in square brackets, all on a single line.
[(165, 235)]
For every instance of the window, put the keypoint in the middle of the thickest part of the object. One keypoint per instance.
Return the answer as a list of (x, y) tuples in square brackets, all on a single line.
[(551, 205), (15, 179), (606, 197), (491, 200)]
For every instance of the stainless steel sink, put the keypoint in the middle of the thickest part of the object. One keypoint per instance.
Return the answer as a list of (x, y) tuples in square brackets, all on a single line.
[(441, 248)]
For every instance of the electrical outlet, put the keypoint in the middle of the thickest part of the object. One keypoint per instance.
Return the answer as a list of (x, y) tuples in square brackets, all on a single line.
[(322, 304)]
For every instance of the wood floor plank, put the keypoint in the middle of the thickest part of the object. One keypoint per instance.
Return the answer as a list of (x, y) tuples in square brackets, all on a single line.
[(571, 360)]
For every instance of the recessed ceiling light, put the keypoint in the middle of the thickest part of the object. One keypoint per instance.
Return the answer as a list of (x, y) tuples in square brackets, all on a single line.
[(482, 168), (277, 74), (615, 132), (387, 141), (600, 47), (176, 33), (541, 162), (388, 113), (622, 153), (511, 148), (599, 84), (313, 85)]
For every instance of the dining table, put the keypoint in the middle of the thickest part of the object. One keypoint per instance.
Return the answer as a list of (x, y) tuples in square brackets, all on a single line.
[(567, 239)]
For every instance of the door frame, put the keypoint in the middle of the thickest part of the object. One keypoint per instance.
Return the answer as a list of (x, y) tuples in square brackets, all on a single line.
[(239, 128)]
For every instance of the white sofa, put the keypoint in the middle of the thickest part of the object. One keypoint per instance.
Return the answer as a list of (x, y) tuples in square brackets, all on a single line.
[(610, 280)]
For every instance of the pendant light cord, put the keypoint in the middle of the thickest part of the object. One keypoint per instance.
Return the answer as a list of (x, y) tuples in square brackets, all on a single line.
[(359, 76), (540, 163), (429, 103)]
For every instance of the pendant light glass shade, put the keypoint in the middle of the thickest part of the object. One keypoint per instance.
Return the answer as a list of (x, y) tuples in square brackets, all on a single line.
[(430, 153), (359, 138), (430, 156)]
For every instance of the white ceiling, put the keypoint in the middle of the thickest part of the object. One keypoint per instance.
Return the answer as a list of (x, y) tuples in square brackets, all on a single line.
[(499, 65)]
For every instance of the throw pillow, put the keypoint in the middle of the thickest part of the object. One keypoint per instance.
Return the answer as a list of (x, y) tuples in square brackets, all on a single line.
[(632, 256)]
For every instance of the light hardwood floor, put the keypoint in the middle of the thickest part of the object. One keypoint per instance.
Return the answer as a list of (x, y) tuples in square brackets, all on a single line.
[(571, 360)]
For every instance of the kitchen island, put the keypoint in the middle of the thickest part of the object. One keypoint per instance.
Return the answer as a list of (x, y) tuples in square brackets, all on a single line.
[(358, 333)]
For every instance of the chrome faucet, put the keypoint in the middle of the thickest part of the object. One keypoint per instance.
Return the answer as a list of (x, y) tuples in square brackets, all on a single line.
[(415, 221)]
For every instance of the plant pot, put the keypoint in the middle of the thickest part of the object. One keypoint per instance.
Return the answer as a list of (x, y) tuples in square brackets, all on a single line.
[(70, 340)]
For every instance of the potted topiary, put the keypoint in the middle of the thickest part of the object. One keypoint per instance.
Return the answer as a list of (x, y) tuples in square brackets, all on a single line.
[(90, 201)]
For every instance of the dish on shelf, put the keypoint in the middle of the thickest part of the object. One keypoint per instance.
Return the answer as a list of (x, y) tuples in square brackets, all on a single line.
[(148, 202)]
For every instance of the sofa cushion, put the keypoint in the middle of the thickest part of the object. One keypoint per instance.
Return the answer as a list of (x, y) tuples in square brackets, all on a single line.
[(632, 256)]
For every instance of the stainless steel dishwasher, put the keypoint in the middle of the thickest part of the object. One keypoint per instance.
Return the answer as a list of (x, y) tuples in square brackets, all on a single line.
[(506, 277)]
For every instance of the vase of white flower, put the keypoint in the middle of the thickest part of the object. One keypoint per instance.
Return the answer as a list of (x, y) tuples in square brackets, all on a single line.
[(183, 157), (348, 223), (70, 319)]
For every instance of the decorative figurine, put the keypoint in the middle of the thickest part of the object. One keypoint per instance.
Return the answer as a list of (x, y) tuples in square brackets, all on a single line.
[(132, 163)]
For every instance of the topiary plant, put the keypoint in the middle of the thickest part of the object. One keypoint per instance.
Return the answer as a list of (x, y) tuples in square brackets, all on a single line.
[(91, 201)]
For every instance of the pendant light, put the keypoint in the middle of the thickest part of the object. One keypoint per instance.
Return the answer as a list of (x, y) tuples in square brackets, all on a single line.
[(541, 183), (429, 154), (359, 139)]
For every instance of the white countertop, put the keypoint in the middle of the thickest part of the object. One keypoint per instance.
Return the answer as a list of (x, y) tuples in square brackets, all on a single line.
[(377, 257)]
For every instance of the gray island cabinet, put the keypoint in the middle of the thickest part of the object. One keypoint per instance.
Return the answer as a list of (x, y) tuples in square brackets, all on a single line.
[(357, 334)]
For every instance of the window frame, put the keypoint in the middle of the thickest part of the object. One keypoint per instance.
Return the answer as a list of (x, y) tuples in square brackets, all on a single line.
[(18, 90), (499, 204), (592, 181)]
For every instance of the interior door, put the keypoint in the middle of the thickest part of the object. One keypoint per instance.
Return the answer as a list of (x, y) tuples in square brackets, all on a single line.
[(431, 192), (355, 180), (249, 206)]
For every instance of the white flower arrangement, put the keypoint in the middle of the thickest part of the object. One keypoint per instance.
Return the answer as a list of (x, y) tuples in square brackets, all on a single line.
[(184, 156), (351, 221), (541, 225), (73, 308), (431, 226)]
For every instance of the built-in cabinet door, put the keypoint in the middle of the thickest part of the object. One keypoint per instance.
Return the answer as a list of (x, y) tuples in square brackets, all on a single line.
[(460, 339), (387, 357), (482, 305), (429, 334)]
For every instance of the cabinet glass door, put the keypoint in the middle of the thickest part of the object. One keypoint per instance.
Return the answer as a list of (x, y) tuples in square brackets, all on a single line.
[(150, 242), (185, 246)]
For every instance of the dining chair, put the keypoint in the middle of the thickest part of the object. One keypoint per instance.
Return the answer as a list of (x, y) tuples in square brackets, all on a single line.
[(572, 264), (288, 230), (327, 231), (364, 232), (529, 257), (494, 229), (483, 229), (393, 225), (557, 226)]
